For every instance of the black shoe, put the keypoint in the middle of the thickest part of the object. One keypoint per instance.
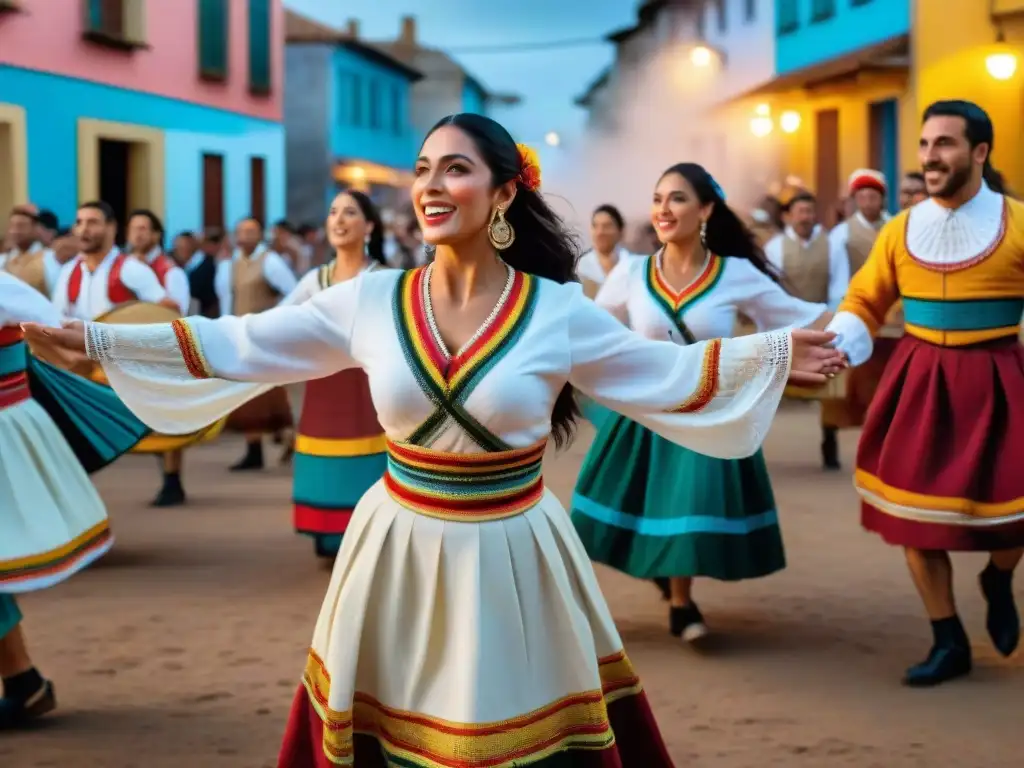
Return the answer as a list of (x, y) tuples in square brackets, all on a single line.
[(830, 448), (17, 713), (687, 623), (1001, 620), (949, 658), (664, 587), (172, 494), (253, 459)]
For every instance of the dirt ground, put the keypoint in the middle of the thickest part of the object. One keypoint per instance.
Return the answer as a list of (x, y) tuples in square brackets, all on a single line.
[(183, 647)]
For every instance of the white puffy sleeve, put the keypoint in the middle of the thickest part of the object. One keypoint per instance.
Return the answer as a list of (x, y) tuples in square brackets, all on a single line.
[(21, 303), (765, 302), (307, 288), (179, 377), (716, 397), (614, 293)]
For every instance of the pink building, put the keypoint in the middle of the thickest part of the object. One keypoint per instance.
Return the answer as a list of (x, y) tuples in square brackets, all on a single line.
[(172, 105)]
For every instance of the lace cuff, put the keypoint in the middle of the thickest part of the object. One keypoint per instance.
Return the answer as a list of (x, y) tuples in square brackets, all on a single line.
[(754, 358), (154, 343)]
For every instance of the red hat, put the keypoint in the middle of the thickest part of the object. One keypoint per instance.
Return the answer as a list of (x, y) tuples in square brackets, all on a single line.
[(865, 178)]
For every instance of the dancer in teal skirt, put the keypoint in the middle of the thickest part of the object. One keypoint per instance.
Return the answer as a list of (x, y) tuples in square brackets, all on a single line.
[(646, 506)]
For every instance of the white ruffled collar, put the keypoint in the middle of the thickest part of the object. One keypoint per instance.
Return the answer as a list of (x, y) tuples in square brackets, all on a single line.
[(956, 237)]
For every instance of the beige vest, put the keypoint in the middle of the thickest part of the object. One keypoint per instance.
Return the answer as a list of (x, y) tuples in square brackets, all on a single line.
[(806, 269), (250, 291), (29, 267), (859, 240)]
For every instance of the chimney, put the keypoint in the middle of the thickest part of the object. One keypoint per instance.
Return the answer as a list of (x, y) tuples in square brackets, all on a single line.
[(352, 29), (408, 36)]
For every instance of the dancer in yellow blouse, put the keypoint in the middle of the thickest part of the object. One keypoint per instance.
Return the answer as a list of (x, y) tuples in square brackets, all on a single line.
[(940, 458)]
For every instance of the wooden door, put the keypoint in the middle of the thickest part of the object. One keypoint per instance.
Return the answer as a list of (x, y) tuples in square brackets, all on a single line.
[(213, 192), (258, 189), (827, 164)]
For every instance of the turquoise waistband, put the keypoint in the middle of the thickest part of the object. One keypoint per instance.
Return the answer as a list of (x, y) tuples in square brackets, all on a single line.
[(969, 315), (13, 358)]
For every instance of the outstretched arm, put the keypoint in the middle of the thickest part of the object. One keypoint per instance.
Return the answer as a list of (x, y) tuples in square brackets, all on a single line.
[(715, 397)]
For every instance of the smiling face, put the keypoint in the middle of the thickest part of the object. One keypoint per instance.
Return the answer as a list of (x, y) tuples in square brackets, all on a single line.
[(676, 212), (453, 193), (347, 227), (947, 159)]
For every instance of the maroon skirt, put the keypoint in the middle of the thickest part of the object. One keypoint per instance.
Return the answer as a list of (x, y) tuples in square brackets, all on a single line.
[(940, 463), (638, 743), (269, 412)]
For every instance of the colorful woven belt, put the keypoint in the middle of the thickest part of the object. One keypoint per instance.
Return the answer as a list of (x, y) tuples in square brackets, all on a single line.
[(13, 360), (467, 488)]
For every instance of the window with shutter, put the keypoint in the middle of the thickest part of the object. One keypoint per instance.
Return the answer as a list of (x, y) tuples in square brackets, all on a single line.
[(258, 189), (115, 23), (212, 27), (259, 46)]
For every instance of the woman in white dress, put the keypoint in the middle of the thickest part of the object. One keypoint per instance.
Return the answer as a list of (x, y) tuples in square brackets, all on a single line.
[(463, 624), (54, 427)]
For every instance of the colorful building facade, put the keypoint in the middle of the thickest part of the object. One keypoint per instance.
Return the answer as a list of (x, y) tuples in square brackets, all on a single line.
[(853, 77), (172, 106), (347, 118)]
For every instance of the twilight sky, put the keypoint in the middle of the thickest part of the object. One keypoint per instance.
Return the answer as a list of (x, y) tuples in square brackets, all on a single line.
[(548, 80)]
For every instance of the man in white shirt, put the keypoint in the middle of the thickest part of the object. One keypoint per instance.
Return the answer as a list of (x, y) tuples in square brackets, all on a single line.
[(255, 279), (813, 269), (101, 277), (28, 259), (145, 238)]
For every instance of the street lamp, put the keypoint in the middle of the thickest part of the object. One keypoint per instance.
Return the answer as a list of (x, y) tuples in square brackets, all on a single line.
[(1002, 65), (761, 126), (701, 56), (789, 121), (552, 139)]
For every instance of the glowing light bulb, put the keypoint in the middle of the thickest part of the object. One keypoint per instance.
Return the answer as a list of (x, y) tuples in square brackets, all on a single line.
[(761, 126), (552, 139), (789, 121), (1002, 66), (762, 110), (701, 56)]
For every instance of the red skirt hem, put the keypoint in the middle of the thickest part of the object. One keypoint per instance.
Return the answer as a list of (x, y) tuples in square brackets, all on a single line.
[(638, 742), (915, 534), (314, 520)]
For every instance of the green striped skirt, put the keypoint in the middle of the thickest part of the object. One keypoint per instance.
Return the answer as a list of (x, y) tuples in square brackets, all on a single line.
[(650, 508)]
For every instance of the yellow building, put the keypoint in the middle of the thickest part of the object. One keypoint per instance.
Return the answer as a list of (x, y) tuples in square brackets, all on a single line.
[(853, 77)]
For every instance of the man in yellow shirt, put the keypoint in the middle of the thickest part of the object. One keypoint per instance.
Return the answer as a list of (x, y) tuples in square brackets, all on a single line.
[(940, 465)]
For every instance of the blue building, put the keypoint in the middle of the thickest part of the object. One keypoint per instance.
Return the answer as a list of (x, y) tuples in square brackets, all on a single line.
[(143, 105), (347, 119)]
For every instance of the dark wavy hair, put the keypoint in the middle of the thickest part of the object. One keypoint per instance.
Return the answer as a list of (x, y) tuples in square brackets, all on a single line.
[(544, 246), (375, 246), (726, 233)]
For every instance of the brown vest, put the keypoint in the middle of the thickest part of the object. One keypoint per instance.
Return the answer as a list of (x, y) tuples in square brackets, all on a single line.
[(30, 268), (250, 291), (860, 238), (806, 268)]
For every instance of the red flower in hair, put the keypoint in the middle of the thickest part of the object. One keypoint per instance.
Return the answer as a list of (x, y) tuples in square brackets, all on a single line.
[(529, 168)]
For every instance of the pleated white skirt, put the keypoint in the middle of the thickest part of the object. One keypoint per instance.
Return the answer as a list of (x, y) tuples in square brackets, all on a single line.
[(52, 521)]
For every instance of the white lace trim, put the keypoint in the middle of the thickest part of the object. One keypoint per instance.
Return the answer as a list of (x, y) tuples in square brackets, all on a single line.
[(951, 236)]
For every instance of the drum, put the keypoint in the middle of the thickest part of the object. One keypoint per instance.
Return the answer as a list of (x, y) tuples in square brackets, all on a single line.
[(145, 313)]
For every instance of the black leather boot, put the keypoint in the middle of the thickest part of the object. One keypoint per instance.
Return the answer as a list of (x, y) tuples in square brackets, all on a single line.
[(830, 448), (172, 494), (26, 697), (253, 459), (949, 658), (1001, 620), (687, 622)]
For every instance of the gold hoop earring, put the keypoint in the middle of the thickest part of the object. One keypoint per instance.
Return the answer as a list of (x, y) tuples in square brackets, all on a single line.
[(499, 231), (704, 234)]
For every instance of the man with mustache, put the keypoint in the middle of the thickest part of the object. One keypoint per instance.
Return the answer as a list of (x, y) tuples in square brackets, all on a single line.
[(912, 189), (939, 465)]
